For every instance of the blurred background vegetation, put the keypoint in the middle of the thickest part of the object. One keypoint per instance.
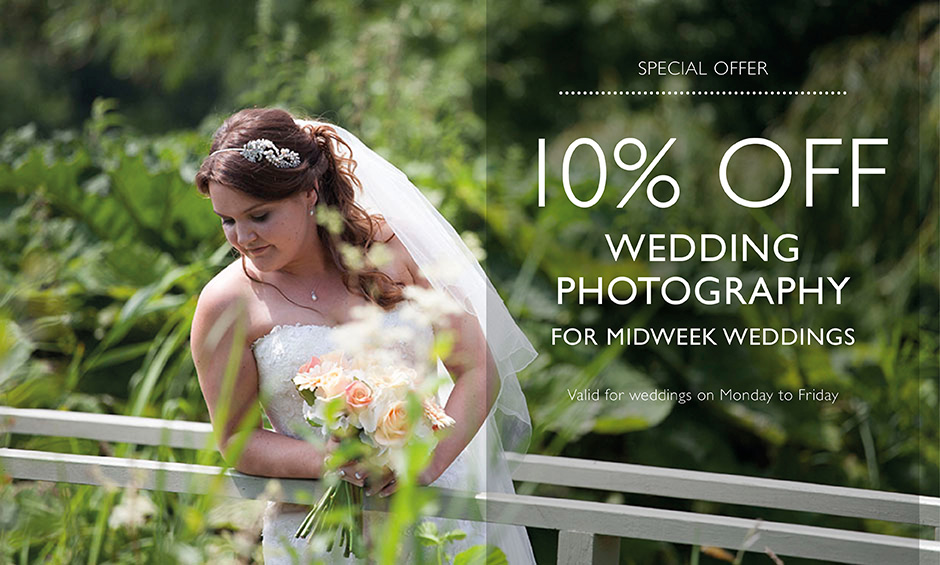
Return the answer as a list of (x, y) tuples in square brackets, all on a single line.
[(107, 111)]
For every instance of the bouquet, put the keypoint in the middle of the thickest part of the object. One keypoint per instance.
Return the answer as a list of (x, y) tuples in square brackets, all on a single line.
[(365, 401)]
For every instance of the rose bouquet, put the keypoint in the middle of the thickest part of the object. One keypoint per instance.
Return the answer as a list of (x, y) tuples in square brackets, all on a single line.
[(366, 401)]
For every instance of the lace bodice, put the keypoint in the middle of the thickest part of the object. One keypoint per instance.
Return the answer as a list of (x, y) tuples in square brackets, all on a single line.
[(278, 355)]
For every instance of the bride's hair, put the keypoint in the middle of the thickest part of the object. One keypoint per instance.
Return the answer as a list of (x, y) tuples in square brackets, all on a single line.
[(322, 165)]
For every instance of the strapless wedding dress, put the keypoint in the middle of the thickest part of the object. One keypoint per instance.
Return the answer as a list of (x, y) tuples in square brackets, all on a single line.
[(278, 355)]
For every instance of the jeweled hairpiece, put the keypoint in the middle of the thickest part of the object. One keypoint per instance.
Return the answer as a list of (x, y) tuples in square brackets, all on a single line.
[(258, 149)]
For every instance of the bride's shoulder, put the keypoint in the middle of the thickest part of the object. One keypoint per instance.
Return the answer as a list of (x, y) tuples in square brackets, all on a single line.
[(402, 266), (230, 281), (225, 290)]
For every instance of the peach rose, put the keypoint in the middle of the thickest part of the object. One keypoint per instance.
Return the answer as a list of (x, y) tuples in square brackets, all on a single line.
[(392, 428), (398, 379), (311, 365), (358, 396), (334, 383)]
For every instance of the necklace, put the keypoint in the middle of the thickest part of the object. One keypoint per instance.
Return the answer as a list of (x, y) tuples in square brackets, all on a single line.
[(313, 293)]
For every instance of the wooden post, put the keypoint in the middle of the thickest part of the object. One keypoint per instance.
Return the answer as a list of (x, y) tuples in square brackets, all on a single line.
[(579, 548)]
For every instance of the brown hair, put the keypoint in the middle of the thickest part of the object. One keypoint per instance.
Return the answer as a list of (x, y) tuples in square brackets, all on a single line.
[(322, 165)]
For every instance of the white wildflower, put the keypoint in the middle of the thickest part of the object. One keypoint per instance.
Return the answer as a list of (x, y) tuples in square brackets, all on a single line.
[(104, 480), (330, 218), (352, 256), (355, 335), (435, 197), (444, 270), (366, 332), (428, 306), (133, 511), (273, 491), (472, 241), (379, 255)]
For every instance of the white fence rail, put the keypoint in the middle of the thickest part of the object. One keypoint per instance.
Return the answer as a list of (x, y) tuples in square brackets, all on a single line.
[(589, 532)]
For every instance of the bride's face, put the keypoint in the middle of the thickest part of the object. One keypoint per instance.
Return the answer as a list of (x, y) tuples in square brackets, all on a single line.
[(271, 234)]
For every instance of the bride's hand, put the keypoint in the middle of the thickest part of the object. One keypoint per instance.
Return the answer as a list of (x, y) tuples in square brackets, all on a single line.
[(384, 486), (357, 474), (351, 472)]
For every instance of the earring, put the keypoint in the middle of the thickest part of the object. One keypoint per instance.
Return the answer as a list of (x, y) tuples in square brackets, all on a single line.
[(312, 211)]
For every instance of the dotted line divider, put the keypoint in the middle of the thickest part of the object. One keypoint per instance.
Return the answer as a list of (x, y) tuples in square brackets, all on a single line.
[(702, 92)]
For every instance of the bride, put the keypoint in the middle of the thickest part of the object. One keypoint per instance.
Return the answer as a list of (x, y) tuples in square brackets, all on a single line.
[(270, 179)]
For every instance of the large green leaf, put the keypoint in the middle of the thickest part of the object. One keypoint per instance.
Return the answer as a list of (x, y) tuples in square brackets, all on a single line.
[(15, 348)]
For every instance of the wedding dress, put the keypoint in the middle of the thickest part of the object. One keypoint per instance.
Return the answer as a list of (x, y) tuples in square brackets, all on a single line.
[(278, 355)]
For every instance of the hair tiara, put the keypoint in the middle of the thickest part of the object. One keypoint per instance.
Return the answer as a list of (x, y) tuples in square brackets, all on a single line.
[(258, 149)]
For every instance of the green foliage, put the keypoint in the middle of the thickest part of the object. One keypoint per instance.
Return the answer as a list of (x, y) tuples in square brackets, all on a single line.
[(124, 190), (99, 275), (429, 536)]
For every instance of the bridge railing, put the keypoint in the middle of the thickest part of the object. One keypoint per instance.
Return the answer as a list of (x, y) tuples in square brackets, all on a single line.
[(588, 532)]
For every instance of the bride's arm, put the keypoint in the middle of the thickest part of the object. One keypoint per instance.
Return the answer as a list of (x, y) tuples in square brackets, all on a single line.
[(476, 387), (476, 379), (233, 406)]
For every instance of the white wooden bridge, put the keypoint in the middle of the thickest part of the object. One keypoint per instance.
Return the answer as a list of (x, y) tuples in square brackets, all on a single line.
[(588, 532)]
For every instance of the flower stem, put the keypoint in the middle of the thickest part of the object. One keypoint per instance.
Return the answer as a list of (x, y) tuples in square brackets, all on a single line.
[(324, 504)]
